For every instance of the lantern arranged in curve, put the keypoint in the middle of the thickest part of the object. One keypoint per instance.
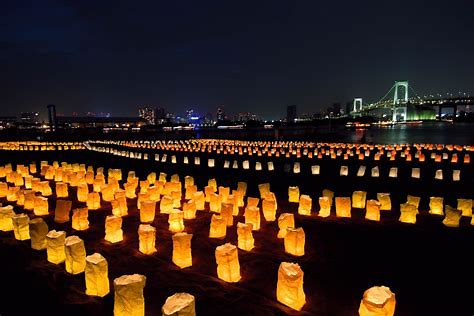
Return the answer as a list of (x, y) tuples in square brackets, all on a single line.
[(227, 259), (358, 199), (41, 206), (6, 215), (465, 205), (377, 300), (385, 202), (218, 227), (295, 241), (21, 227), (372, 211), (147, 237), (305, 205), (452, 217), (290, 285), (97, 275), (38, 230), (113, 229), (324, 206), (80, 219), (175, 221), (182, 256), (408, 213), (61, 213), (147, 211), (189, 209), (293, 194), (245, 237), (343, 206), (75, 255), (285, 220), (55, 246), (436, 205), (128, 295), (269, 208), (179, 304)]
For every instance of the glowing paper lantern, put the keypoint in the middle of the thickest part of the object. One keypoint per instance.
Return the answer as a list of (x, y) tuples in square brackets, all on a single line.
[(38, 230), (245, 236), (377, 300), (218, 227), (41, 206), (227, 259), (61, 213), (246, 164), (175, 221), (147, 211), (147, 236), (62, 190), (413, 200), (251, 201), (328, 193), (190, 190), (372, 212), (128, 297), (200, 200), (189, 210), (213, 184), (361, 171), (97, 275), (188, 181), (182, 256), (293, 194), (6, 215), (375, 172), (55, 246), (269, 208), (3, 189), (343, 206), (290, 285), (465, 205), (436, 205), (227, 212), (393, 173), (166, 204), (305, 205), (82, 192), (113, 229), (294, 241), (296, 167), (215, 203), (176, 196), (119, 207), (285, 220), (359, 199), (80, 219), (75, 255), (179, 304), (93, 201), (324, 206), (252, 216), (130, 190), (452, 217), (242, 187), (439, 174), (385, 202), (408, 213), (20, 226), (415, 173), (264, 189), (344, 171), (315, 169), (456, 175), (270, 166)]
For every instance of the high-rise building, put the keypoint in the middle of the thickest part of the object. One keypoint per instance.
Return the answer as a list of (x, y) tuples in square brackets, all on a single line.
[(220, 113), (291, 113), (53, 123), (148, 114)]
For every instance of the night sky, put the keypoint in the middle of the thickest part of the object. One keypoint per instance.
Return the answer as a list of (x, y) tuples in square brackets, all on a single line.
[(259, 56)]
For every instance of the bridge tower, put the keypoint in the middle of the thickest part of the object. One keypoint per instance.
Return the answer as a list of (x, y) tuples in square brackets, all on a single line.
[(399, 105), (357, 105)]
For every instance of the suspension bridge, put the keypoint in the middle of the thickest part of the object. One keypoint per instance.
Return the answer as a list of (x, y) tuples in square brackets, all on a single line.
[(401, 96)]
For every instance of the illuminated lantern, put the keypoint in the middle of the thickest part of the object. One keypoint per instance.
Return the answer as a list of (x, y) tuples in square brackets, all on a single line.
[(82, 192), (200, 200), (12, 195), (119, 207), (456, 175), (242, 187), (328, 193), (375, 172), (215, 203), (93, 201), (251, 201), (361, 171), (113, 229), (190, 190), (130, 190), (372, 212), (393, 173), (258, 166), (213, 184), (147, 211), (227, 212), (142, 197), (176, 195), (264, 189), (3, 189), (144, 185), (147, 236), (408, 213), (413, 200), (246, 164), (61, 213), (179, 304), (315, 169), (385, 202), (128, 298), (41, 206), (290, 285), (415, 173), (151, 177), (162, 177), (80, 219), (465, 205), (377, 301), (224, 192), (252, 216), (269, 208), (227, 259), (38, 230), (20, 226), (344, 171), (285, 220), (175, 221), (218, 227), (6, 215), (436, 205), (28, 180), (452, 217), (182, 250), (108, 193), (75, 255), (188, 181), (62, 190), (343, 206), (45, 189), (294, 241), (55, 246), (293, 194), (245, 236), (208, 190), (439, 174), (358, 199), (166, 204), (189, 209), (305, 205), (270, 166), (324, 206), (296, 167), (97, 275)]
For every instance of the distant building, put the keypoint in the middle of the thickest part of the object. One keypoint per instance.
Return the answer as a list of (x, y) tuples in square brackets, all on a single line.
[(7, 122), (247, 116), (110, 123), (290, 113), (220, 113), (53, 124), (29, 118), (148, 114)]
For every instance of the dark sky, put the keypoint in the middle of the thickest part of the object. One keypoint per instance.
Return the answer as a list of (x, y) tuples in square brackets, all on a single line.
[(254, 55)]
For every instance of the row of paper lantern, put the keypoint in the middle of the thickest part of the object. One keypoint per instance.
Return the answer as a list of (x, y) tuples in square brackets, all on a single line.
[(41, 146)]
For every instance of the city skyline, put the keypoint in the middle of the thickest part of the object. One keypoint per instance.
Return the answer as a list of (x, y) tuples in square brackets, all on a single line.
[(112, 56)]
